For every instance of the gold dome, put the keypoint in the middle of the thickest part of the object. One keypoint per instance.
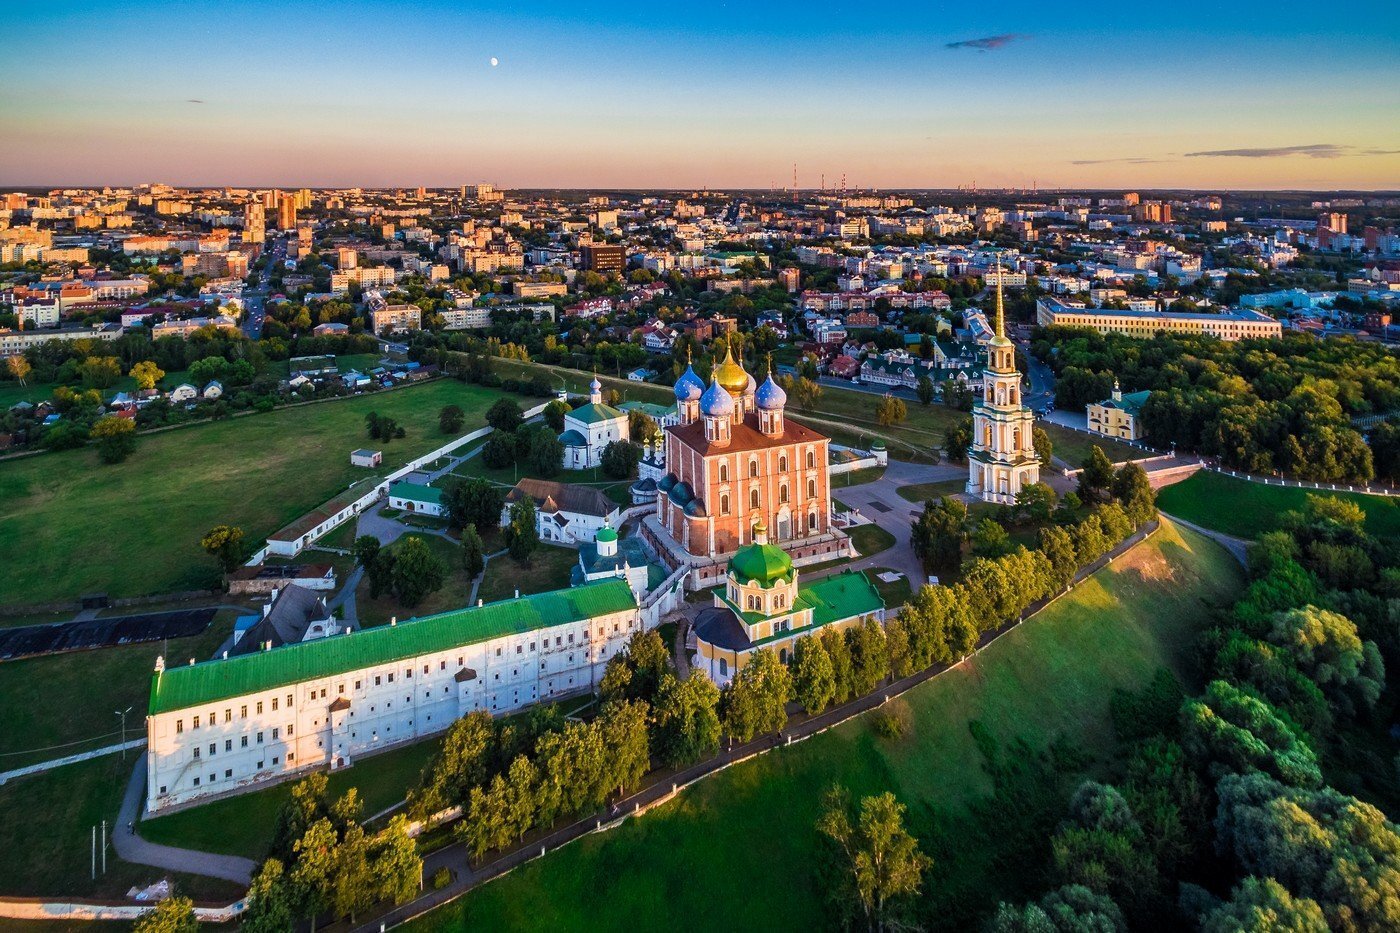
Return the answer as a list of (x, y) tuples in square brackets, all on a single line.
[(730, 374)]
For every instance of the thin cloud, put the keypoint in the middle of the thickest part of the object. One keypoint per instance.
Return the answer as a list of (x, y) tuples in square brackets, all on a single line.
[(987, 43), (1129, 161), (1380, 152), (194, 101), (1315, 151)]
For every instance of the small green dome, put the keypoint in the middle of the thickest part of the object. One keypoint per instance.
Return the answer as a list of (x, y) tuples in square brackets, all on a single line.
[(765, 563), (606, 534)]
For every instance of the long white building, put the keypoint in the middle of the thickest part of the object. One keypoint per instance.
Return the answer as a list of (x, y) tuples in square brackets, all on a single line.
[(224, 726)]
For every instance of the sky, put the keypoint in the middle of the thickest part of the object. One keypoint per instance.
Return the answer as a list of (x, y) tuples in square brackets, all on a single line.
[(624, 94)]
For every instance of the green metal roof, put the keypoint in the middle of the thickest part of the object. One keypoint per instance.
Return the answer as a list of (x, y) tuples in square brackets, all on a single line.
[(415, 492), (210, 681), (764, 563), (841, 596), (594, 412)]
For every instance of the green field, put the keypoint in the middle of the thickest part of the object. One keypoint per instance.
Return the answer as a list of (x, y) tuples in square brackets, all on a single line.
[(1073, 447), (82, 691), (455, 593), (69, 525), (547, 569), (870, 539), (46, 836), (894, 594), (740, 844), (1246, 510), (243, 825), (857, 477), (922, 492)]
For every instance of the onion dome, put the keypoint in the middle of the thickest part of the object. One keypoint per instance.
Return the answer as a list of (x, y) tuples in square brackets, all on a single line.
[(688, 386), (667, 482), (681, 493), (764, 564), (751, 386), (696, 509), (717, 402), (731, 375), (770, 396)]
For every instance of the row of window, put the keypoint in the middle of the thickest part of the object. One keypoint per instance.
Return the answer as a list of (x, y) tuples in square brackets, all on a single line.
[(243, 741), (753, 466)]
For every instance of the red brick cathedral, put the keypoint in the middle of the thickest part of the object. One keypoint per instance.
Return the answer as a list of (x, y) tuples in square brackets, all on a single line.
[(737, 461)]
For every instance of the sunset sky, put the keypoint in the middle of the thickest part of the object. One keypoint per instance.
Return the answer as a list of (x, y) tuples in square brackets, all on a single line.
[(664, 94)]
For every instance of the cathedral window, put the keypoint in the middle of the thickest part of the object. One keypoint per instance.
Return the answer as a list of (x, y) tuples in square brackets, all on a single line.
[(753, 498), (724, 472), (811, 489), (724, 504), (782, 493), (753, 468), (811, 460), (782, 463)]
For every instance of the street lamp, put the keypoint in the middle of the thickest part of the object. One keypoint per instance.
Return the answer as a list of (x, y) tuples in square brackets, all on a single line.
[(122, 714)]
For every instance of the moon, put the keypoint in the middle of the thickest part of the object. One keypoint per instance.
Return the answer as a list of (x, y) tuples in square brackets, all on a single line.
[(494, 61)]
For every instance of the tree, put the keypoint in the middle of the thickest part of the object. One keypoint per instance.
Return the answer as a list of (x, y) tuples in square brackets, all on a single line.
[(225, 544), (636, 673), (958, 439), (476, 502), (842, 676), (314, 872), (883, 866), (147, 374), (505, 415), (939, 532), (1096, 475), (473, 553), (19, 368), (1229, 731), (499, 450), (1044, 446), (813, 679), (396, 863), (1035, 502), (755, 702), (554, 414), (623, 730), (925, 390), (100, 372), (1320, 844), (522, 534), (890, 410), (116, 438), (270, 907), (686, 719), (461, 764), (1133, 490), (1072, 908), (989, 539), (353, 882), (898, 648), (1326, 647), (451, 418), (417, 571), (172, 915), (1262, 905), (620, 458), (870, 660)]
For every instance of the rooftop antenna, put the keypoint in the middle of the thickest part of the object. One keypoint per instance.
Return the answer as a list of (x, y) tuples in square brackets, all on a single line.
[(794, 178)]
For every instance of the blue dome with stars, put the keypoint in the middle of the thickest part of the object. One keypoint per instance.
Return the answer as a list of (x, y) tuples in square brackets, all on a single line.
[(688, 386)]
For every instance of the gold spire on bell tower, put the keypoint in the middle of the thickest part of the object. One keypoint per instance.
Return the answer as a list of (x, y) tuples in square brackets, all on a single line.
[(1000, 338)]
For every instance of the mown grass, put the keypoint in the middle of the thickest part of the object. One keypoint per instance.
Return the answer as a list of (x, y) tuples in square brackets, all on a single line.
[(870, 539), (1247, 510), (745, 838), (243, 825), (70, 525), (455, 592), (1073, 447), (547, 569)]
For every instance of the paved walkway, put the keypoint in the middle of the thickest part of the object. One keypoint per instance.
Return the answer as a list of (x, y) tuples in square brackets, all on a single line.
[(43, 766), (132, 848), (879, 502), (1238, 547)]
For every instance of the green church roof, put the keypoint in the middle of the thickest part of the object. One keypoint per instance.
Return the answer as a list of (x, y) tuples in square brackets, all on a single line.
[(184, 686), (594, 412), (606, 534), (415, 493), (765, 563)]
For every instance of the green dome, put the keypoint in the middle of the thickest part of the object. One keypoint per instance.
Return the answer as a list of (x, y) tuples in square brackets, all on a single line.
[(765, 563), (606, 534)]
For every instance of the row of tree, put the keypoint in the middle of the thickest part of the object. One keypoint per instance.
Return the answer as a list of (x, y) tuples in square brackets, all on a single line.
[(1224, 818)]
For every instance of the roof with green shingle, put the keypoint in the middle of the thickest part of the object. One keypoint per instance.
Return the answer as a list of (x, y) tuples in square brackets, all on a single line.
[(415, 492), (594, 412), (210, 681)]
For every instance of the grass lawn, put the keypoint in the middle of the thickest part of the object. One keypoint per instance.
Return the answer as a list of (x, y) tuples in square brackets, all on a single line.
[(455, 593), (61, 699), (46, 837), (1051, 679), (920, 493), (894, 594), (870, 539), (243, 825), (1073, 447), (547, 569), (137, 525), (1247, 510), (857, 477)]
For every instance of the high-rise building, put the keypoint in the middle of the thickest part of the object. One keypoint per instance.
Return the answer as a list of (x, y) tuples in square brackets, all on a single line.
[(1002, 460), (346, 258), (254, 222), (287, 213), (304, 199), (602, 257)]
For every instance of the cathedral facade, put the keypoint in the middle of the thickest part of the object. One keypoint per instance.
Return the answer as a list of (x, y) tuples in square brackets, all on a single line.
[(1002, 458), (734, 461)]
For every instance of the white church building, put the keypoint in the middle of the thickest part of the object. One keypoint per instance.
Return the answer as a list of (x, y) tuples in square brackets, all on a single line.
[(589, 429)]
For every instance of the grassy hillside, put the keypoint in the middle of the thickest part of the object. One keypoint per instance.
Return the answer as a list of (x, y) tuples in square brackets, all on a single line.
[(1247, 510), (70, 525), (741, 844)]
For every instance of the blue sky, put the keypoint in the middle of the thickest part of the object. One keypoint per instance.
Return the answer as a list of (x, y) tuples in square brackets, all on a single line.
[(630, 94)]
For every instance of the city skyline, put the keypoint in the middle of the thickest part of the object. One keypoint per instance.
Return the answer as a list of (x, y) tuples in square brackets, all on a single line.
[(627, 96)]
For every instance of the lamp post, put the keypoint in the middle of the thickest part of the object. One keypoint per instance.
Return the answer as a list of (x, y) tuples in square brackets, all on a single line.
[(122, 714)]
